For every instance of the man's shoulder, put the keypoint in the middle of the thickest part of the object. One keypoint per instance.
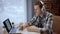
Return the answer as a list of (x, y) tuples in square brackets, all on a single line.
[(49, 14)]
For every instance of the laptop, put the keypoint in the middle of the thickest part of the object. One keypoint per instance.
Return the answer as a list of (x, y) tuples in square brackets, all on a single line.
[(9, 27)]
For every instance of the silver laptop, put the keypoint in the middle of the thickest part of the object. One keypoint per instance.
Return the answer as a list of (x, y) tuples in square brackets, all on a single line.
[(9, 28)]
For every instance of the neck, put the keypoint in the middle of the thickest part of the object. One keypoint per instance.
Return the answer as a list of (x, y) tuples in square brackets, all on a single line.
[(41, 14)]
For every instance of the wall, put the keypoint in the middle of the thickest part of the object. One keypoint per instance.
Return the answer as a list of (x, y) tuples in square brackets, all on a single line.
[(30, 9), (53, 6)]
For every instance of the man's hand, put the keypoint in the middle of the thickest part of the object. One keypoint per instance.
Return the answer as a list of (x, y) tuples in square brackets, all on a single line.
[(33, 29), (22, 26)]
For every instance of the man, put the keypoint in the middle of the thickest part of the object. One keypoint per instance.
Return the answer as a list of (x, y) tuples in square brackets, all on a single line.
[(42, 19)]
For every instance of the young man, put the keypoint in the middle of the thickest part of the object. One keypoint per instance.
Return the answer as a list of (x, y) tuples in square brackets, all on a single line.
[(42, 19)]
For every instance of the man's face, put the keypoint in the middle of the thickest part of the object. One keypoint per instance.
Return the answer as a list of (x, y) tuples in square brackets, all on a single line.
[(37, 9)]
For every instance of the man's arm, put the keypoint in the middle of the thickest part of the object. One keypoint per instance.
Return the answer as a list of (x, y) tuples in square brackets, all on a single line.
[(29, 23)]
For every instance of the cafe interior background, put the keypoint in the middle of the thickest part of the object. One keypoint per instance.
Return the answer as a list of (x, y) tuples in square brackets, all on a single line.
[(21, 11)]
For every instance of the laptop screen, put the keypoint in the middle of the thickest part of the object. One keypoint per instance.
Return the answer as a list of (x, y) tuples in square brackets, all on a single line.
[(7, 24)]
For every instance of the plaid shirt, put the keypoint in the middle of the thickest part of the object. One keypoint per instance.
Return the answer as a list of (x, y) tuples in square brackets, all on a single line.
[(45, 22)]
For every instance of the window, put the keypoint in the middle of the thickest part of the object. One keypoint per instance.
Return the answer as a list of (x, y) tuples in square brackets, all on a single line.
[(15, 10)]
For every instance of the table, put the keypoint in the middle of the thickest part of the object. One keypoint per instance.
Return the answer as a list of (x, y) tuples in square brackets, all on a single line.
[(22, 32)]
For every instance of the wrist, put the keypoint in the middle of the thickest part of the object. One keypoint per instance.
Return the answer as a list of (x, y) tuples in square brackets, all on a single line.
[(40, 29)]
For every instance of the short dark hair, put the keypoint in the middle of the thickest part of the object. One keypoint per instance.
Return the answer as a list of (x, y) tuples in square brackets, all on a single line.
[(38, 3)]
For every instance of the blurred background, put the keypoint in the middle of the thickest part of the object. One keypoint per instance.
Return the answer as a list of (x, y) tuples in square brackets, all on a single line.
[(22, 10)]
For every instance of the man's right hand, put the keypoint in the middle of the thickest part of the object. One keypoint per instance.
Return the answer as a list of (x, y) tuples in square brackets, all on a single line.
[(22, 26)]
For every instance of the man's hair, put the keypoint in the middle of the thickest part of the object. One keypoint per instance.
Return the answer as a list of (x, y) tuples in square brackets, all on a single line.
[(38, 3)]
